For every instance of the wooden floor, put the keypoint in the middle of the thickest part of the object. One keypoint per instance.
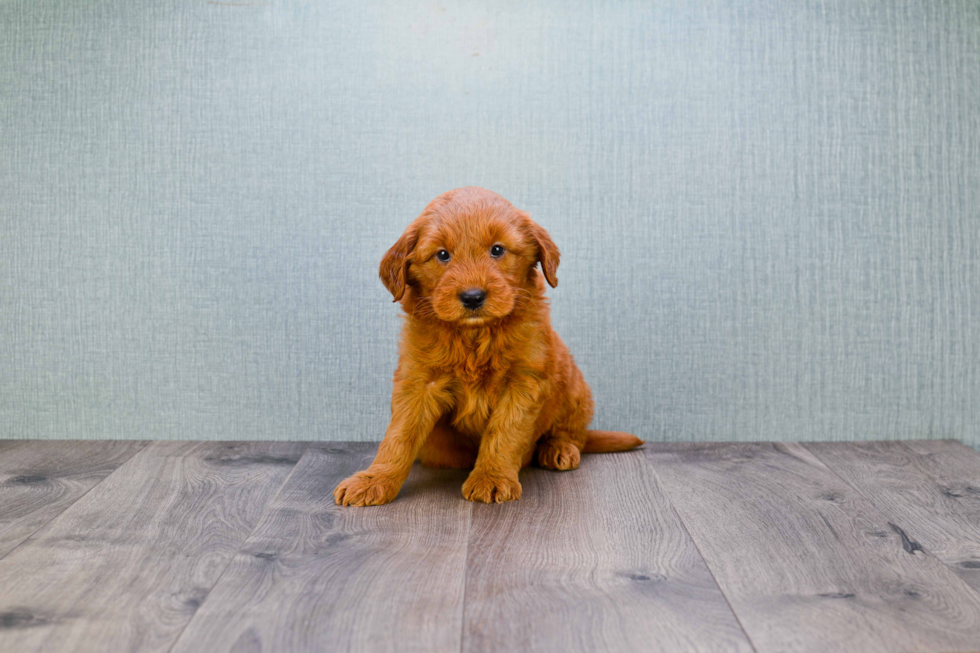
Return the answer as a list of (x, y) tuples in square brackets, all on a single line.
[(238, 546)]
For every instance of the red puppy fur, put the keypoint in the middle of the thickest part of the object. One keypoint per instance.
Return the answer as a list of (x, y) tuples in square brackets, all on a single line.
[(483, 382)]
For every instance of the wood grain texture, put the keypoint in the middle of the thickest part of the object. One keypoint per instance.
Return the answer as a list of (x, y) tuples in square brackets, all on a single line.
[(806, 562), (591, 560), (932, 488), (127, 565), (317, 576), (39, 480)]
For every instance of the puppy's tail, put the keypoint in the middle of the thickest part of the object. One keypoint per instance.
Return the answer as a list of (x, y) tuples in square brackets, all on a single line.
[(609, 441)]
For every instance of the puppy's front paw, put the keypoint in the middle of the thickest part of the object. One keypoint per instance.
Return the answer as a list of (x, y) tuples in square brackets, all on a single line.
[(366, 489), (559, 455), (491, 489)]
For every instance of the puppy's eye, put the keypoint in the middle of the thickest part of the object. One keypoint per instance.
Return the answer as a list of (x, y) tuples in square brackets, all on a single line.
[(496, 251), (442, 255)]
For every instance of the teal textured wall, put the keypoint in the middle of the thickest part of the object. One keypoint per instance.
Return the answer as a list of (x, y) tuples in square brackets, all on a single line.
[(769, 210)]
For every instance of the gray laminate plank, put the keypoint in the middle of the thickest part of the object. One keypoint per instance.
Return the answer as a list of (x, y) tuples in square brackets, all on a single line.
[(931, 488), (591, 560), (806, 562), (39, 479), (317, 576), (127, 565)]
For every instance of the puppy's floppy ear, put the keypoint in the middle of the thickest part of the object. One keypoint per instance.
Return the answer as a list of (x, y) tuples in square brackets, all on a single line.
[(548, 254), (394, 264)]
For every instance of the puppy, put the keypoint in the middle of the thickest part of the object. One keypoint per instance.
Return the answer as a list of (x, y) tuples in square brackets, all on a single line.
[(483, 382)]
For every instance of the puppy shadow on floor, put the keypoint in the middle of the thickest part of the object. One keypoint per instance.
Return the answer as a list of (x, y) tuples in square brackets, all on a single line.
[(433, 483)]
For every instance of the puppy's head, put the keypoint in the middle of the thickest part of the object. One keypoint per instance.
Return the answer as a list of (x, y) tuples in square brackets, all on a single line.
[(471, 255)]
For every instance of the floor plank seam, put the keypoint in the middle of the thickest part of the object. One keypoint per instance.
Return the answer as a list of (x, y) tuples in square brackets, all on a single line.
[(232, 557), (144, 444), (891, 518), (939, 481), (697, 548), (466, 575), (851, 546)]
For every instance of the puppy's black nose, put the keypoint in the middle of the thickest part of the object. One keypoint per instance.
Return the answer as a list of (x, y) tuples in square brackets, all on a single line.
[(472, 299)]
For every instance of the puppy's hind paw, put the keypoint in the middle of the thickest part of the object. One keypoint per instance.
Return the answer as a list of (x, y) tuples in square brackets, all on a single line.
[(559, 455), (366, 489), (491, 489)]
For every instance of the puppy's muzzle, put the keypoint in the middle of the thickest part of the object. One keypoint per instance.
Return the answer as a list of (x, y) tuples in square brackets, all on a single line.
[(473, 298)]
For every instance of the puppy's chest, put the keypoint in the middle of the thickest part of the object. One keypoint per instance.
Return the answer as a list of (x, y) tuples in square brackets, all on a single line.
[(473, 405)]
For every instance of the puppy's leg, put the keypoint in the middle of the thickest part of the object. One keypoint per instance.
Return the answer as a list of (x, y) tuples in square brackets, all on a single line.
[(447, 448), (559, 450), (505, 445), (560, 447), (415, 406)]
